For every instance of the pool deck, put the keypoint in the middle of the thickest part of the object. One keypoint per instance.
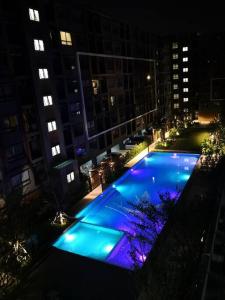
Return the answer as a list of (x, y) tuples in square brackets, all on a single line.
[(88, 198), (76, 277)]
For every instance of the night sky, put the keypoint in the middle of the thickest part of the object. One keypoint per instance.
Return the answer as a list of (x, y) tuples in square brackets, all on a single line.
[(166, 16)]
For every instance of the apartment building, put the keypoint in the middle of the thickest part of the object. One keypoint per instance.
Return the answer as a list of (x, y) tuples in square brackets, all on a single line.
[(181, 88), (196, 73), (74, 84)]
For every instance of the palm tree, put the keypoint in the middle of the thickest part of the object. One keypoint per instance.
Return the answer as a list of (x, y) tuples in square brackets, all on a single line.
[(147, 222)]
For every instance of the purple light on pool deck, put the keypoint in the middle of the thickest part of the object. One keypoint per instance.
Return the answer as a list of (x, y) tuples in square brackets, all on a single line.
[(106, 224)]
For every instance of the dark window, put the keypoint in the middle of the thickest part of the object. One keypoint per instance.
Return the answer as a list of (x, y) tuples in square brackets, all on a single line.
[(108, 138), (115, 133), (123, 130), (57, 66), (99, 46), (102, 65), (64, 113), (10, 122), (103, 86), (35, 148), (69, 63), (128, 128), (60, 89), (100, 126), (39, 173), (14, 151), (94, 65), (67, 136), (20, 64), (14, 34), (101, 141), (29, 120), (5, 91), (93, 144), (54, 38), (78, 130)]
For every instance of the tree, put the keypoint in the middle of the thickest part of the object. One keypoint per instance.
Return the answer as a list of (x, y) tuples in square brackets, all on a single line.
[(170, 272), (19, 220), (146, 225), (15, 225), (147, 222)]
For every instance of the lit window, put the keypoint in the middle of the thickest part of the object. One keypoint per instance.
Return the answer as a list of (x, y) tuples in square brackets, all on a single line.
[(175, 76), (175, 86), (95, 86), (39, 45), (52, 126), (185, 99), (43, 73), (174, 45), (185, 49), (175, 66), (185, 79), (65, 38), (185, 70), (55, 150), (175, 96), (186, 110), (185, 90), (176, 105), (34, 15), (175, 56), (112, 100), (70, 177), (47, 100), (185, 59)]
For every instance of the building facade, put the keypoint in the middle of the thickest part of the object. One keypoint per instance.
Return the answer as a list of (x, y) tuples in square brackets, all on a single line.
[(196, 63), (74, 84)]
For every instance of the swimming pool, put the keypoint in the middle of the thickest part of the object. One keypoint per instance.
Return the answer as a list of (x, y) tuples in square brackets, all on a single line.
[(106, 225)]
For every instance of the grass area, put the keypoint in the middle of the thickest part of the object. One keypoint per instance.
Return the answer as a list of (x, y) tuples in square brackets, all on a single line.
[(189, 140)]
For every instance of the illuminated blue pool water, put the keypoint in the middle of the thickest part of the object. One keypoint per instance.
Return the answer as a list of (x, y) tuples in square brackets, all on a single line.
[(105, 224)]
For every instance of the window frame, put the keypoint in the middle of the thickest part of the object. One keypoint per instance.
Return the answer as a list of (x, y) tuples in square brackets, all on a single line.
[(39, 45), (70, 177), (65, 38), (47, 100), (43, 73), (56, 150), (52, 126), (34, 15)]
